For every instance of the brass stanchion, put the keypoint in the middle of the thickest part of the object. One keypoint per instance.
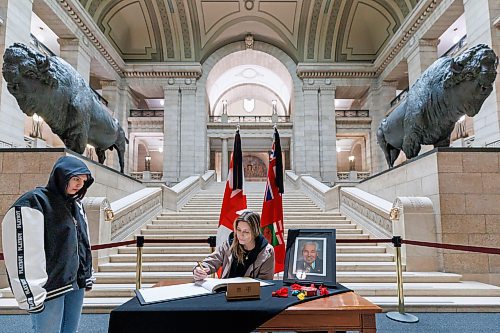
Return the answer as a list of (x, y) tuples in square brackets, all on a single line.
[(138, 269), (400, 315)]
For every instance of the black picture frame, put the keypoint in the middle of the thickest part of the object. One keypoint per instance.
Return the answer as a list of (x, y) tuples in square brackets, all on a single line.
[(311, 257)]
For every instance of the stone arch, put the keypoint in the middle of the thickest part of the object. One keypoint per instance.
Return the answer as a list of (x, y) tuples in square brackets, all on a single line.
[(296, 100)]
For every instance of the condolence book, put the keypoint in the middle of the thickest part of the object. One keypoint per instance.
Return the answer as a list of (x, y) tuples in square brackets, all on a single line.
[(178, 291)]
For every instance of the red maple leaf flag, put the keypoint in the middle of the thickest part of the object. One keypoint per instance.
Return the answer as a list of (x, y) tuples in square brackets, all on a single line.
[(271, 221), (234, 198)]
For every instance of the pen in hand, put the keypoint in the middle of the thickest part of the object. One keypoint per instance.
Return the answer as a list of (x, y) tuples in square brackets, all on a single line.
[(201, 266)]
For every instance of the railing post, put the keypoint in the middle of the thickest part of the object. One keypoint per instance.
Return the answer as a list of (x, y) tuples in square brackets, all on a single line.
[(400, 315), (138, 270)]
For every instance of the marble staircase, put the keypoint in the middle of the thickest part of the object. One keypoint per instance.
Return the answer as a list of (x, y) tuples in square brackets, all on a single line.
[(368, 269)]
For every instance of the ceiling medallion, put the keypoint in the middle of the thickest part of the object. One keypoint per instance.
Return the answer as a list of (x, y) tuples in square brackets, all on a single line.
[(249, 4)]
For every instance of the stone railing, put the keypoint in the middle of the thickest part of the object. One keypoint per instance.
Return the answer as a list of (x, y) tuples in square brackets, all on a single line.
[(99, 217), (409, 217), (325, 197), (133, 211), (145, 113), (147, 175), (351, 176), (175, 197), (370, 211), (352, 113), (249, 119)]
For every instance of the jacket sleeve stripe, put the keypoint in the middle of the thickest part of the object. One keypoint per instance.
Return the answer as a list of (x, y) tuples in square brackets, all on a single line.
[(23, 245)]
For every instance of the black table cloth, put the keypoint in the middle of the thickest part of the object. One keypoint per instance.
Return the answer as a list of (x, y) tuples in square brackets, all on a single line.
[(207, 313)]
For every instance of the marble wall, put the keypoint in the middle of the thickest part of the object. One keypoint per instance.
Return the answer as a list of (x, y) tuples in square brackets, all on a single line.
[(464, 187)]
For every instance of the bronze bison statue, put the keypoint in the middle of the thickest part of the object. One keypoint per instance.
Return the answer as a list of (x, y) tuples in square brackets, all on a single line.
[(53, 89), (448, 89)]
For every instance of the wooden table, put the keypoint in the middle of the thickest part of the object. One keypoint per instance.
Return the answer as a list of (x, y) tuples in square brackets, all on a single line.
[(343, 312)]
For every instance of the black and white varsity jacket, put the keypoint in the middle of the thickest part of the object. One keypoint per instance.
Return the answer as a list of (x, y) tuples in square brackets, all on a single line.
[(45, 239)]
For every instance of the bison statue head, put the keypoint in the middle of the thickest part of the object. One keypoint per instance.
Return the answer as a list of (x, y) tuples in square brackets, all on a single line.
[(475, 71), (28, 74)]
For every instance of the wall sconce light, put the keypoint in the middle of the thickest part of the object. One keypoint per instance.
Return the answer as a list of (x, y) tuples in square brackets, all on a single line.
[(273, 102), (352, 163), (36, 130), (160, 149), (147, 163)]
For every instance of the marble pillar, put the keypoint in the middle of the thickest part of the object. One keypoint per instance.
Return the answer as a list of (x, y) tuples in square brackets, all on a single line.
[(171, 133), (16, 28), (483, 26), (224, 160), (327, 133), (420, 56), (77, 55)]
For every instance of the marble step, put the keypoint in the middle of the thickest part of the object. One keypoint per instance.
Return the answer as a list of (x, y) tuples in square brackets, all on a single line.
[(203, 237), (413, 304), (213, 231), (172, 257), (188, 266), (457, 289), (342, 277), (212, 225), (206, 250)]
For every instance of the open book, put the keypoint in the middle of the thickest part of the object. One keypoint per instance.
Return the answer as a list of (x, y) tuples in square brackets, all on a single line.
[(178, 291)]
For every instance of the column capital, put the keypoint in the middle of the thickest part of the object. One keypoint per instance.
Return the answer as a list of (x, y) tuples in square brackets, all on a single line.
[(429, 42), (68, 41), (108, 83)]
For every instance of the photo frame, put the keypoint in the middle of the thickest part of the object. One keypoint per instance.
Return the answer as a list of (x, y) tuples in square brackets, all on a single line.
[(310, 257)]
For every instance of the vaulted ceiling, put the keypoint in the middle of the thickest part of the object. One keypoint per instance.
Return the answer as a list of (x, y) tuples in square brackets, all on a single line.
[(307, 30)]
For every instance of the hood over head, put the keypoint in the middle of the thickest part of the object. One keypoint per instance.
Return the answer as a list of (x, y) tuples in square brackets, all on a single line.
[(65, 168)]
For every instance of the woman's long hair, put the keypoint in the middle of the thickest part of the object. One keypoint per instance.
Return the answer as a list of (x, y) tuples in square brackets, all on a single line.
[(253, 220)]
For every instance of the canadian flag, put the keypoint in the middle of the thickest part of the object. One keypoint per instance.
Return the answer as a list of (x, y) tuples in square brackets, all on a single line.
[(271, 221), (234, 198)]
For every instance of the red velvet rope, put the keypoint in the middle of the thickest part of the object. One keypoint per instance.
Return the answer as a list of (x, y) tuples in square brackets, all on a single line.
[(110, 245), (479, 249)]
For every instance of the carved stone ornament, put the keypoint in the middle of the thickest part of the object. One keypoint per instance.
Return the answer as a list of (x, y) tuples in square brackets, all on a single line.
[(249, 42)]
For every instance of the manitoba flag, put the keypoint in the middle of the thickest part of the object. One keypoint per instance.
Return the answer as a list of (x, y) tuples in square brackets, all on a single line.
[(234, 199), (272, 209)]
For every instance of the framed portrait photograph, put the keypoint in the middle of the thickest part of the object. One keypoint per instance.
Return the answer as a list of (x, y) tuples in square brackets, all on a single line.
[(310, 257)]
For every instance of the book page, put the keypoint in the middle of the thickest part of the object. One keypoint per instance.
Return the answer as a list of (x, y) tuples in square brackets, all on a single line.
[(217, 284), (167, 293)]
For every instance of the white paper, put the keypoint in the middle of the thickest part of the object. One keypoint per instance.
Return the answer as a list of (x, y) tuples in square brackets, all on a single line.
[(166, 293), (177, 291)]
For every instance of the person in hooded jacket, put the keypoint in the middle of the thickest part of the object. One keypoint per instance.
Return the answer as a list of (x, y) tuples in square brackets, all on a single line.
[(47, 249), (245, 254)]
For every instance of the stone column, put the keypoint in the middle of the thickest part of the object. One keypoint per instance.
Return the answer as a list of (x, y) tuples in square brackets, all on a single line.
[(380, 96), (483, 26), (16, 28), (171, 133), (420, 56), (77, 55), (311, 125), (116, 94), (190, 133), (224, 168), (328, 133)]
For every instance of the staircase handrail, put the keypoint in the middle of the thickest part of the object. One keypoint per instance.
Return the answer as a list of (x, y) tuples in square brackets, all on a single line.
[(175, 197), (325, 197), (133, 211), (408, 217)]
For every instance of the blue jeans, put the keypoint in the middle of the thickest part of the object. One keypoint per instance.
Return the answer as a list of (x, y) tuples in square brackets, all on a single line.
[(61, 314)]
